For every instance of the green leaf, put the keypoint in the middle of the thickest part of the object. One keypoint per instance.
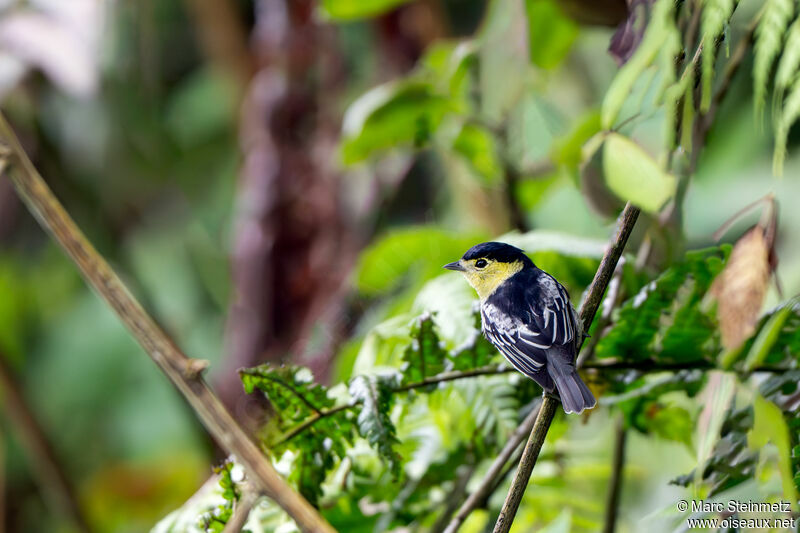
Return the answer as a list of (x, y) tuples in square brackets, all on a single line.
[(420, 249), (673, 423), (476, 351), (402, 114), (550, 33), (634, 176), (790, 60), (769, 425), (669, 305), (776, 340), (567, 151), (343, 10), (645, 55), (766, 338), (374, 420), (449, 66), (788, 115), (290, 388), (534, 124), (715, 17), (425, 356), (478, 147), (718, 397), (768, 43), (297, 400)]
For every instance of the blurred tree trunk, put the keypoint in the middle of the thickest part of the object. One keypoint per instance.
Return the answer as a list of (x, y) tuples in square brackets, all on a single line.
[(295, 243)]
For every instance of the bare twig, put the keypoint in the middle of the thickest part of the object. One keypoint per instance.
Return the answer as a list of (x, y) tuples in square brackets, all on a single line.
[(588, 309), (615, 481), (456, 374), (241, 510), (185, 373), (42, 460)]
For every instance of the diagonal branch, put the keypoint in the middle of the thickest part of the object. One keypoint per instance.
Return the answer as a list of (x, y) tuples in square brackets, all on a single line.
[(184, 373), (488, 483), (548, 410)]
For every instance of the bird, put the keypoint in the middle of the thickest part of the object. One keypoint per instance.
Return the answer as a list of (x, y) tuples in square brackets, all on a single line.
[(527, 315)]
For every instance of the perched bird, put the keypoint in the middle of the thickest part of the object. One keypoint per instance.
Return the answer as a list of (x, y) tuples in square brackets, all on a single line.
[(527, 315)]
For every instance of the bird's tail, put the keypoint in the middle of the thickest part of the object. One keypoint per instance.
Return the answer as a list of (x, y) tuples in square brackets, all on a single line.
[(575, 395)]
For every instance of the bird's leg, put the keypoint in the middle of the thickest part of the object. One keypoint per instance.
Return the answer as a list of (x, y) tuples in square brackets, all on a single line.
[(551, 394)]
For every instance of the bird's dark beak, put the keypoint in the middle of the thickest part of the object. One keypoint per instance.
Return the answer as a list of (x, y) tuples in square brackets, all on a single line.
[(455, 265)]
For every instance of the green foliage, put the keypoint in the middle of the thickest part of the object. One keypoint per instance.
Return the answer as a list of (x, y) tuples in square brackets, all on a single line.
[(634, 176), (769, 38), (214, 521), (475, 352), (291, 389), (405, 113), (374, 421), (550, 33), (479, 149), (788, 115), (714, 20), (344, 10), (776, 340), (647, 403), (789, 60), (384, 264), (769, 426), (668, 306), (424, 357), (770, 417), (652, 44), (297, 399)]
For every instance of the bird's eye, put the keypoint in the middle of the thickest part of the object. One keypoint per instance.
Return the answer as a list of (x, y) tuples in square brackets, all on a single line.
[(480, 263)]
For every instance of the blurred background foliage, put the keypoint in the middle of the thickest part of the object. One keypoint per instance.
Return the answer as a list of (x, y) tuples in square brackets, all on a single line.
[(280, 181)]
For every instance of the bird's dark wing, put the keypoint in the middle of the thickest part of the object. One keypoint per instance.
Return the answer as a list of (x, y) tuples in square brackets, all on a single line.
[(552, 320), (502, 330), (530, 321)]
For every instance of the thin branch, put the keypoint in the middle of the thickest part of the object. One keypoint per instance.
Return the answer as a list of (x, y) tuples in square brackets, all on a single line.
[(455, 374), (310, 421), (606, 365), (241, 510), (456, 495), (495, 471), (184, 373), (548, 410), (42, 460), (285, 385), (615, 481)]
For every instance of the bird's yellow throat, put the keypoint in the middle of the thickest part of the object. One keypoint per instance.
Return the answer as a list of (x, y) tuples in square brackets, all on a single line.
[(485, 281)]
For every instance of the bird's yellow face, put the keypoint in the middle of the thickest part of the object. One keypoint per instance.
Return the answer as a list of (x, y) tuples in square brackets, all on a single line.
[(485, 274)]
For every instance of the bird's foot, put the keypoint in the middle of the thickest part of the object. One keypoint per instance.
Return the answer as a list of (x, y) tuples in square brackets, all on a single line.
[(551, 394)]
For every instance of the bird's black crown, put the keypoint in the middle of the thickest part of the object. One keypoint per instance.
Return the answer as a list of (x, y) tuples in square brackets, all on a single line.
[(498, 251)]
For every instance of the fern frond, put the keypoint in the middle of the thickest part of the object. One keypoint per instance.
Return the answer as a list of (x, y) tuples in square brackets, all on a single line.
[(769, 38), (789, 61), (789, 115), (672, 87), (715, 16)]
